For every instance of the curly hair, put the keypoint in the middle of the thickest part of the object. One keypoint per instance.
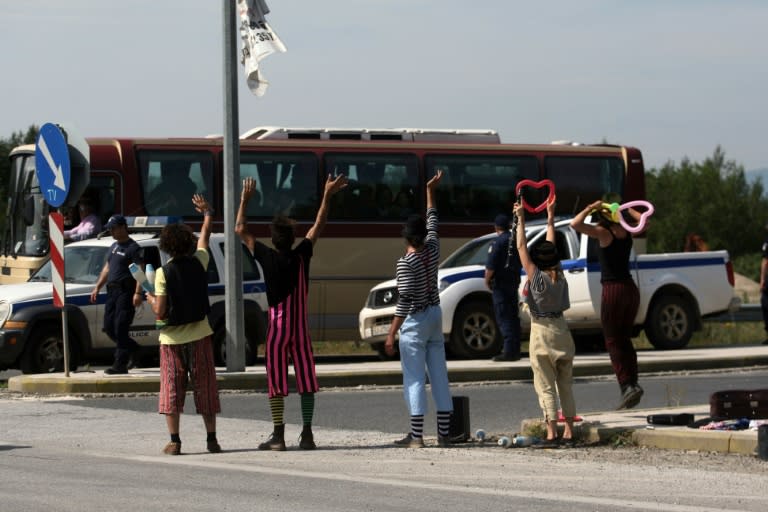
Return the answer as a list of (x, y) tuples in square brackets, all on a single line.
[(178, 240), (283, 234)]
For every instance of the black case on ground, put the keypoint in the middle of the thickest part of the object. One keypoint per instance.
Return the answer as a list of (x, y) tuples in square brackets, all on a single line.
[(670, 419), (739, 403), (459, 432)]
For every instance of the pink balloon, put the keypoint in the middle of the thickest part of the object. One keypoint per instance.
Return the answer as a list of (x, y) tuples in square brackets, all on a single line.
[(536, 184), (641, 224)]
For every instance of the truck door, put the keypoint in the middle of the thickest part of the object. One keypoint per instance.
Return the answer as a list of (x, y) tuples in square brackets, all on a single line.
[(576, 269)]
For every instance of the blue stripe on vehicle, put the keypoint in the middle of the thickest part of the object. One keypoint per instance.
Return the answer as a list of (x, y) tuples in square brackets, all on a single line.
[(595, 266)]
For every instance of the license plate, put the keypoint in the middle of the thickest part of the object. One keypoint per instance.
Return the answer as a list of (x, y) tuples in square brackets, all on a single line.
[(380, 329)]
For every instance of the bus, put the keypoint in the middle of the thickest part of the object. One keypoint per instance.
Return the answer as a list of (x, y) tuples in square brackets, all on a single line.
[(387, 171)]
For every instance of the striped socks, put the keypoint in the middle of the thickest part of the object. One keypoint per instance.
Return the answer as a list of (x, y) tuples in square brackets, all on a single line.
[(277, 407), (417, 426), (307, 407), (443, 422)]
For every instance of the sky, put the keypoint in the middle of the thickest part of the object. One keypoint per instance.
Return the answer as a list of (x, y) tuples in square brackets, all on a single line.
[(674, 78)]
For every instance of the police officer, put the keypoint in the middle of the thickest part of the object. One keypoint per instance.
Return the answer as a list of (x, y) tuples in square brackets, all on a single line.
[(502, 277), (124, 294)]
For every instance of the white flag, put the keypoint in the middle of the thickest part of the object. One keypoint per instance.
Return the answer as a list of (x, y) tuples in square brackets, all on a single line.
[(259, 40)]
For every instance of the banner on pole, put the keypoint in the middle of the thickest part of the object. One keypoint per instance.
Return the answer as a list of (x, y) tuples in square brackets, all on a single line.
[(259, 41)]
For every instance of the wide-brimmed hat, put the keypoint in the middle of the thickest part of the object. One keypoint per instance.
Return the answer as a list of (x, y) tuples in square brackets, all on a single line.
[(545, 255), (415, 226)]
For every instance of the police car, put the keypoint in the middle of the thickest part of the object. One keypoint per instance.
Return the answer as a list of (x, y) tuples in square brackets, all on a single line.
[(677, 290), (31, 326)]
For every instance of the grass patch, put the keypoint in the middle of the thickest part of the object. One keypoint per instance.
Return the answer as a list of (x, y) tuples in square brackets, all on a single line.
[(717, 334), (342, 348)]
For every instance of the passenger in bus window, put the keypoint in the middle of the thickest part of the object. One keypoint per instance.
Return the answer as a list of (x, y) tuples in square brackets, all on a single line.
[(404, 202), (175, 183), (418, 321), (383, 201), (89, 226), (286, 274)]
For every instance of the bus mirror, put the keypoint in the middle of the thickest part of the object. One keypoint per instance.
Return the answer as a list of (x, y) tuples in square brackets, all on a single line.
[(28, 211)]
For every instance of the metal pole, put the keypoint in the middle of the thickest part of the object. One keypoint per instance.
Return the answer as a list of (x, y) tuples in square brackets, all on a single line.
[(233, 298), (65, 336)]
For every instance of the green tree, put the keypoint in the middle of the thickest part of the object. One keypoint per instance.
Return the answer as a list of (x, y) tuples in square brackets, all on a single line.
[(712, 199), (6, 145)]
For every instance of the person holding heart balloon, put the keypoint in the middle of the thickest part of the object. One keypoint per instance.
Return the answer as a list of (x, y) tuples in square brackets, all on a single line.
[(620, 296)]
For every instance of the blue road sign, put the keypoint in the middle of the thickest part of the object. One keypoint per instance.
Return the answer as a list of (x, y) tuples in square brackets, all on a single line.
[(52, 164)]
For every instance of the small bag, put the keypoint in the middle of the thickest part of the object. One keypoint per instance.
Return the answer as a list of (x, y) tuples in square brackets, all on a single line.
[(738, 403)]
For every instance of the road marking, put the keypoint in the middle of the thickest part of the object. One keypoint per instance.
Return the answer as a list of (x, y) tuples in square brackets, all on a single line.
[(340, 477)]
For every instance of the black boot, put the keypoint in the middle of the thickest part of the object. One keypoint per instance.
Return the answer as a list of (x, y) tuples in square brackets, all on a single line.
[(307, 439), (276, 441)]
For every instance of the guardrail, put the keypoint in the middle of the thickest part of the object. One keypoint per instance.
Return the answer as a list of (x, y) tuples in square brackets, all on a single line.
[(745, 313)]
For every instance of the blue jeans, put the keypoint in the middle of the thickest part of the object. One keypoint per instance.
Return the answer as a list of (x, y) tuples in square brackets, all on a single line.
[(507, 317), (422, 351)]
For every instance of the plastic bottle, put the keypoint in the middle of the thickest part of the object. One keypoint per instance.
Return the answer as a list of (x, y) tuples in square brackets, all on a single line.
[(505, 442), (149, 270), (140, 277), (480, 435), (522, 441)]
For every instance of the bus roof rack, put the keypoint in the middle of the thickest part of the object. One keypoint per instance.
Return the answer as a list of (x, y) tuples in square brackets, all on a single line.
[(373, 134)]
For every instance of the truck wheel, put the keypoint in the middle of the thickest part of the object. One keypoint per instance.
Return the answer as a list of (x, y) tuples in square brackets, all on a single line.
[(474, 333), (220, 348), (669, 325), (44, 352)]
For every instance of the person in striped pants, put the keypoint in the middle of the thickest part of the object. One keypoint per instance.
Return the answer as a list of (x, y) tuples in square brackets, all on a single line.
[(286, 274)]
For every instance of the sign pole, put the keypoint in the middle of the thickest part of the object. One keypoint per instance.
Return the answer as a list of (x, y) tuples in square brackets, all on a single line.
[(233, 253), (58, 278)]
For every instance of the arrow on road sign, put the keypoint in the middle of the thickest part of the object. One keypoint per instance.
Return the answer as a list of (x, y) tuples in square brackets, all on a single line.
[(58, 174)]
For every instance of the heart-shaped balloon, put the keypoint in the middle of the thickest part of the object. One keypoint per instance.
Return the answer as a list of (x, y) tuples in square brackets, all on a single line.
[(641, 224), (536, 184)]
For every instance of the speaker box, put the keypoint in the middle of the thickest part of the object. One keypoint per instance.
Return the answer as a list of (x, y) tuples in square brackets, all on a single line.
[(460, 431)]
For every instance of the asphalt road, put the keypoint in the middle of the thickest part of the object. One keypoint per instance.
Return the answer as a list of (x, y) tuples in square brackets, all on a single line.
[(71, 454)]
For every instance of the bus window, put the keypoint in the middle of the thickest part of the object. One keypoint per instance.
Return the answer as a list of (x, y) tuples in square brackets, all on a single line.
[(286, 184), (582, 179), (170, 178), (476, 188), (381, 186)]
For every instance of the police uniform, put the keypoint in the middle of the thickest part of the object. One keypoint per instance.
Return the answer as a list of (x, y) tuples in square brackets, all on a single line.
[(118, 309), (504, 261)]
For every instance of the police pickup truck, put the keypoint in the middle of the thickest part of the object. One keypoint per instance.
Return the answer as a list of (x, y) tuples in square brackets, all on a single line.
[(676, 291), (31, 326)]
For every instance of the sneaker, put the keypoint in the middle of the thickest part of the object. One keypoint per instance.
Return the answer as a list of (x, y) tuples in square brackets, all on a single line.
[(116, 370), (410, 442), (307, 441), (504, 356), (213, 446), (443, 441), (631, 397), (172, 448)]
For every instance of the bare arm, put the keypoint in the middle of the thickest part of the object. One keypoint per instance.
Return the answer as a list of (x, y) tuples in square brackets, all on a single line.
[(241, 222), (551, 220), (202, 206), (579, 224), (522, 243), (432, 186), (332, 185), (100, 282), (389, 343)]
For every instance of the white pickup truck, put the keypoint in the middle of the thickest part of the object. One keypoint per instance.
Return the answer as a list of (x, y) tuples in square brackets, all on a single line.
[(30, 325), (676, 291)]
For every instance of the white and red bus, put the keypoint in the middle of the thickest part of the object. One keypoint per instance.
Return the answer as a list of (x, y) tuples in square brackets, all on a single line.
[(387, 170)]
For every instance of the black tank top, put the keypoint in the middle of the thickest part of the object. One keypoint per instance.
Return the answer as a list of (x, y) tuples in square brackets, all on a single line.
[(614, 259), (187, 283)]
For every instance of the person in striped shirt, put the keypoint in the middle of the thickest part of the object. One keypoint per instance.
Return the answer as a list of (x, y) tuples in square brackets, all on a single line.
[(418, 320)]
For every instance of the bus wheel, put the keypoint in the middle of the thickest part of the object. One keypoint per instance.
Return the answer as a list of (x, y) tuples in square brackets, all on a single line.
[(669, 325), (220, 348), (474, 333), (44, 352)]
